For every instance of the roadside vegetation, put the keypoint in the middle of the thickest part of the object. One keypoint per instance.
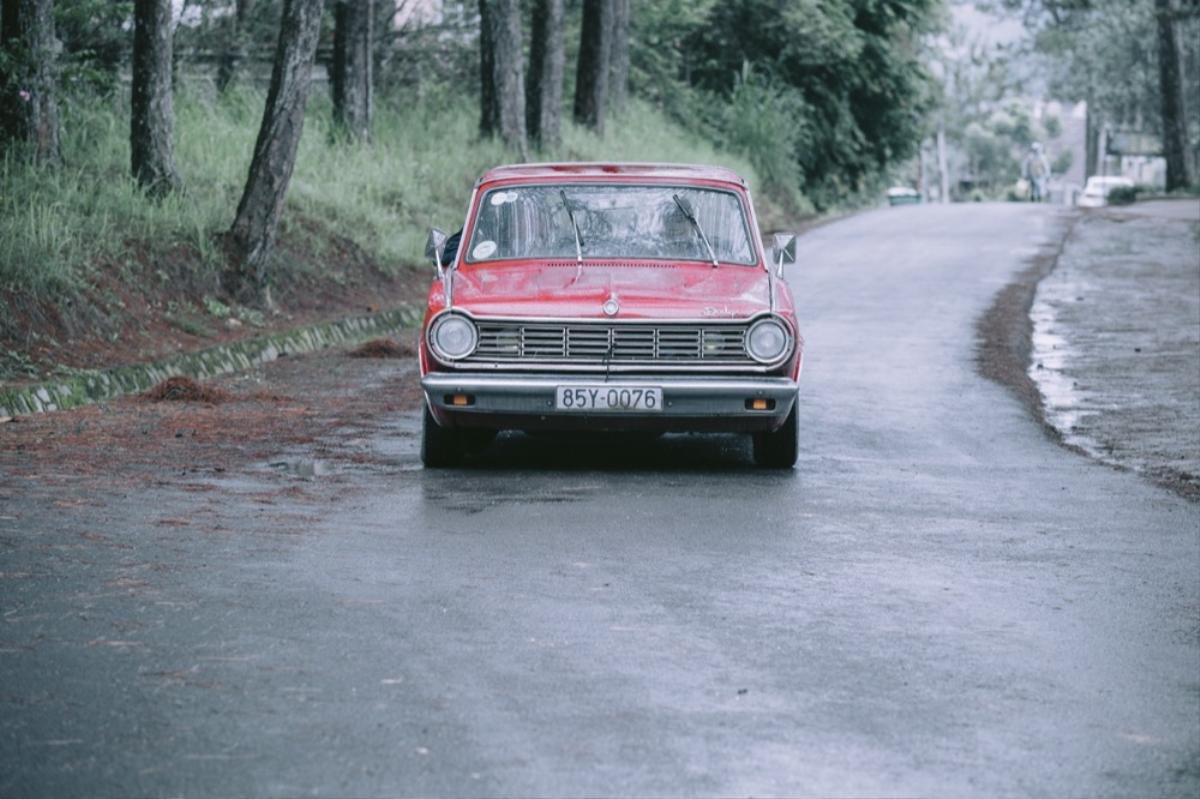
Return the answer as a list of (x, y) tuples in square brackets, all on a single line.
[(59, 225), (172, 172), (83, 249)]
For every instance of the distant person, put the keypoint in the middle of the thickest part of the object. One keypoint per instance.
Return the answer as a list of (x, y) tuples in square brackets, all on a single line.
[(1036, 169)]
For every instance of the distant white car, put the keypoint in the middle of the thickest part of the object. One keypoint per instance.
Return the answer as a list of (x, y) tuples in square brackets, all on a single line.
[(903, 195), (1095, 192)]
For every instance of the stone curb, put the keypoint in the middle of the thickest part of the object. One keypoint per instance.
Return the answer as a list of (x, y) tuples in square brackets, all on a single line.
[(86, 387)]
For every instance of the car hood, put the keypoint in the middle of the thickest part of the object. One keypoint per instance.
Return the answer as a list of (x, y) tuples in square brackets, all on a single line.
[(659, 290)]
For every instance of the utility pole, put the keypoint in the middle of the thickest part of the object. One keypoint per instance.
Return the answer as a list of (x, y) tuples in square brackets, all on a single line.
[(943, 167)]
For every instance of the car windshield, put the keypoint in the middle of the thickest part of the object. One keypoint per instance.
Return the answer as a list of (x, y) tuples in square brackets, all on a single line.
[(613, 221)]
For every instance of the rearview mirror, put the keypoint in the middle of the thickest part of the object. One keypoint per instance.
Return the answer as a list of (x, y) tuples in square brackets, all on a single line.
[(434, 246), (784, 250)]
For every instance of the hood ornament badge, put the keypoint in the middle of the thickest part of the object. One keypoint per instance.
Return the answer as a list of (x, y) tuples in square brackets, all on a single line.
[(611, 306)]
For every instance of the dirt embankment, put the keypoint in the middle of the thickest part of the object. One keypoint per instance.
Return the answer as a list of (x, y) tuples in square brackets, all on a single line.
[(154, 305)]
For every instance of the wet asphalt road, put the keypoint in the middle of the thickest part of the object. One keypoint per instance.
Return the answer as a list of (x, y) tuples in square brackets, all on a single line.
[(939, 600)]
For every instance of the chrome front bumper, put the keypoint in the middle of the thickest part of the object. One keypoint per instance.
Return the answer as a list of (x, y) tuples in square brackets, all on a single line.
[(526, 402)]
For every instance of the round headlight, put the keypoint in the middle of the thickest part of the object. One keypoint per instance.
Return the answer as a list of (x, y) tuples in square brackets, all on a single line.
[(767, 340), (453, 337)]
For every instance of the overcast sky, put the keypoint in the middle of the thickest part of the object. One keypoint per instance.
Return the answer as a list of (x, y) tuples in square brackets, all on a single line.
[(990, 28)]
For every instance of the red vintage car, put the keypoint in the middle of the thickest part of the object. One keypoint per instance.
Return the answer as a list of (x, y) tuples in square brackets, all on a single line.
[(609, 297)]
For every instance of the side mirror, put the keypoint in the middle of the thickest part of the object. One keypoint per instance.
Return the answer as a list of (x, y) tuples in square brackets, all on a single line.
[(434, 246), (784, 250)]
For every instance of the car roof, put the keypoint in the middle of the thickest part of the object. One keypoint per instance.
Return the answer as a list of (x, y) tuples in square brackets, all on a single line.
[(600, 169)]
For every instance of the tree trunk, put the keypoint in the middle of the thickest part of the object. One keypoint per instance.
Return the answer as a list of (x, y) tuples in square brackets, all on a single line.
[(152, 118), (1174, 116), (943, 167), (489, 120), (591, 77), (618, 75), (1091, 153), (8, 20), (508, 72), (28, 107), (547, 62), (235, 46), (922, 189), (11, 125), (353, 65), (253, 233), (384, 48)]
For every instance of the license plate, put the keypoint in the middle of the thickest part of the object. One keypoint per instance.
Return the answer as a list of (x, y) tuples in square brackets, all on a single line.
[(608, 398)]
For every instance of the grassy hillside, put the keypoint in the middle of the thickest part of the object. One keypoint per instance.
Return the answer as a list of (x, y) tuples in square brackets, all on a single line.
[(87, 261), (56, 227)]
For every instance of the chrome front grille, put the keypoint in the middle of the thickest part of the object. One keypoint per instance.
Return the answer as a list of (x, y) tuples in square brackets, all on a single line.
[(598, 343)]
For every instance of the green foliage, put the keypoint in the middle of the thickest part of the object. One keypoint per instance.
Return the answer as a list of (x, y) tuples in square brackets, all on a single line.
[(58, 226), (989, 155), (215, 307), (1062, 163), (660, 57), (1014, 124), (1052, 126), (96, 40), (55, 221), (765, 121), (15, 364), (862, 90), (1123, 195), (183, 319), (1106, 52)]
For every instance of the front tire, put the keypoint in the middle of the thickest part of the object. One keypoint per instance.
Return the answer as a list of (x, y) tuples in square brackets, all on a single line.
[(440, 446), (778, 449), (475, 440)]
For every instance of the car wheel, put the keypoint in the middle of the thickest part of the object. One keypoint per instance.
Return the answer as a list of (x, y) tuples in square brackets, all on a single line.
[(476, 439), (778, 449), (440, 446)]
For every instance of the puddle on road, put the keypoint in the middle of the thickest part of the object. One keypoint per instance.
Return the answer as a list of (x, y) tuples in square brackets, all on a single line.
[(1050, 355), (306, 468), (1064, 405)]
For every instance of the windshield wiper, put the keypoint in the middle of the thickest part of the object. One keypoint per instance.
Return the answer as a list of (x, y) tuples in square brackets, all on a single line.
[(574, 226), (686, 208)]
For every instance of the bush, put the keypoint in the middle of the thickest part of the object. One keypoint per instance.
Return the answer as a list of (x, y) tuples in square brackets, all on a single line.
[(1123, 195), (764, 121), (1062, 162)]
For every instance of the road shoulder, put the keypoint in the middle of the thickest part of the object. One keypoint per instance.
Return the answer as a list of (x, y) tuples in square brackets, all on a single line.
[(1099, 338)]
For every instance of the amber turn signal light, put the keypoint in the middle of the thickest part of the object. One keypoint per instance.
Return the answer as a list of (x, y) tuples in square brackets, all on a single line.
[(459, 400), (760, 404)]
